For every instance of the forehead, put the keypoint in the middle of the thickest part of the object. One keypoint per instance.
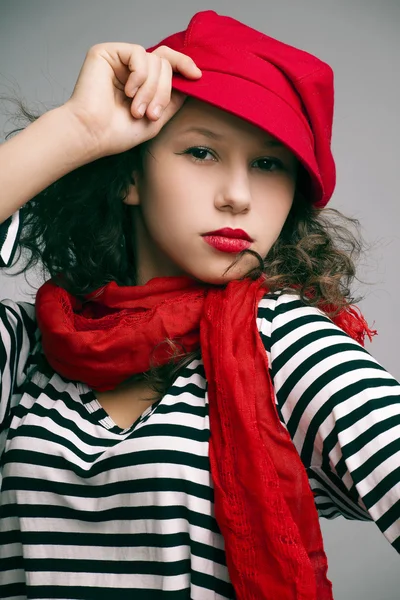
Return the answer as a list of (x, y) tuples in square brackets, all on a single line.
[(195, 114)]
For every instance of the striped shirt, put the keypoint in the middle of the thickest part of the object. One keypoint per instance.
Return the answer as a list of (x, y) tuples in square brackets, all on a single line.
[(89, 510)]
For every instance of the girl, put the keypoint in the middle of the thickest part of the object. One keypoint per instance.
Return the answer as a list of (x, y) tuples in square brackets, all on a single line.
[(190, 388)]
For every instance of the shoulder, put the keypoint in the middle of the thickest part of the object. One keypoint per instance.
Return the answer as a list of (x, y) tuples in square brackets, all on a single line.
[(15, 312), (276, 309), (285, 321), (19, 337), (285, 301), (19, 331)]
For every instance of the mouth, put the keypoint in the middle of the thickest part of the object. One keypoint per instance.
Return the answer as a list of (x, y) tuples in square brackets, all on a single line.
[(227, 232), (228, 240)]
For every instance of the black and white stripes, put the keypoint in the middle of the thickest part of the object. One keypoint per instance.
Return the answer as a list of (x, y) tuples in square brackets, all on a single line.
[(342, 410), (9, 234)]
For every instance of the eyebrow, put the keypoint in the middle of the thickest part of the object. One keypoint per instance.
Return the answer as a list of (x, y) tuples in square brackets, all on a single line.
[(217, 136)]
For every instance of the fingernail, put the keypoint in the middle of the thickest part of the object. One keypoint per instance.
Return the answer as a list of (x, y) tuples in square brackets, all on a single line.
[(157, 110), (142, 109), (133, 92)]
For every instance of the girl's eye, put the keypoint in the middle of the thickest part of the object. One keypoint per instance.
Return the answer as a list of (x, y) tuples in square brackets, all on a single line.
[(198, 153), (269, 164)]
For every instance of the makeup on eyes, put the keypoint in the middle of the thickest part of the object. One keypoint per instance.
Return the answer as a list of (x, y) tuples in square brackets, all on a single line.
[(274, 161)]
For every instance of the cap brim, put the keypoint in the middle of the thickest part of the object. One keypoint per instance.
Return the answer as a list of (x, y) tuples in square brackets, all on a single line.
[(262, 108)]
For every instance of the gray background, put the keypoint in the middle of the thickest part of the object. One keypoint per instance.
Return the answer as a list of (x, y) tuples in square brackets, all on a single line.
[(42, 46)]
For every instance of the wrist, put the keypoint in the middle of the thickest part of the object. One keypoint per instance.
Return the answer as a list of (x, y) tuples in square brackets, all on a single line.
[(79, 143)]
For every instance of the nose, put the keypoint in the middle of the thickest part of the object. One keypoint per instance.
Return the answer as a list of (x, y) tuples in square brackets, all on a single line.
[(234, 194)]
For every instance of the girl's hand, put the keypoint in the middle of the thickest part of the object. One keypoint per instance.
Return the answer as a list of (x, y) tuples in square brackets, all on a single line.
[(123, 94)]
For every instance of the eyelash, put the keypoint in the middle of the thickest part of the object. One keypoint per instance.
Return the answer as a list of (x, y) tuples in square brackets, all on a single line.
[(190, 151)]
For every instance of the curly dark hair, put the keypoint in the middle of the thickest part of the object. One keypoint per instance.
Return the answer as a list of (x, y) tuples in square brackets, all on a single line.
[(79, 232)]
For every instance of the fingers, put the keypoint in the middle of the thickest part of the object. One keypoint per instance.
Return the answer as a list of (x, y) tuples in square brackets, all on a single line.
[(162, 97), (179, 62), (138, 66), (146, 90), (149, 81)]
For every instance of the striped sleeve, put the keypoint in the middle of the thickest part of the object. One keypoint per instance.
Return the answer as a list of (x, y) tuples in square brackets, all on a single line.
[(342, 410), (18, 331), (18, 336), (9, 236)]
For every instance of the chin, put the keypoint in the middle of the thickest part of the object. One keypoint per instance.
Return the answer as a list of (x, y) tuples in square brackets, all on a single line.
[(219, 278), (213, 270)]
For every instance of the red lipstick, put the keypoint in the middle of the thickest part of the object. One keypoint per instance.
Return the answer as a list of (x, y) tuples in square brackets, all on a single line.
[(228, 240), (238, 234)]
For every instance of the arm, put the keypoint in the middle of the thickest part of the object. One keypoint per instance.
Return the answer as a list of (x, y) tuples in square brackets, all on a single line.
[(46, 150), (43, 152), (342, 410), (54, 140)]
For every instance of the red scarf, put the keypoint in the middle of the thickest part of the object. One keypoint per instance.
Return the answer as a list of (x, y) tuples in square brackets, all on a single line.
[(264, 506)]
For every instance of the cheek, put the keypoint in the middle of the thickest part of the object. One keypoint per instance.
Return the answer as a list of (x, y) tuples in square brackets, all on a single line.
[(276, 205), (166, 210), (170, 198)]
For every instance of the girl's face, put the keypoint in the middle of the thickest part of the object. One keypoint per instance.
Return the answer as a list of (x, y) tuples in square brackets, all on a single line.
[(204, 171)]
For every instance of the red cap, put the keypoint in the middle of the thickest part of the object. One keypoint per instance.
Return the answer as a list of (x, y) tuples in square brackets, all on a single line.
[(285, 91)]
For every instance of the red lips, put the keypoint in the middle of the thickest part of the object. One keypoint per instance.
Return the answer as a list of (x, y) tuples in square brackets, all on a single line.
[(231, 233)]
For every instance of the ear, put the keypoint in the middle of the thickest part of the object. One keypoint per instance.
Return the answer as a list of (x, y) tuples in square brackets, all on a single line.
[(132, 196)]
